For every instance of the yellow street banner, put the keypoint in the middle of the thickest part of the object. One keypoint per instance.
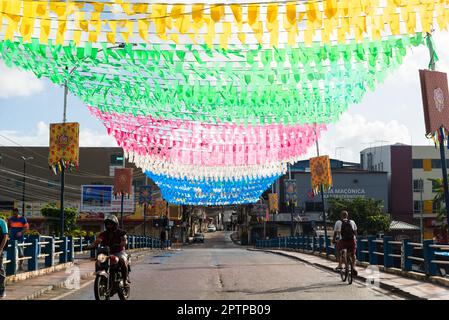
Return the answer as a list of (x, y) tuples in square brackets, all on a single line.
[(273, 202), (320, 171), (64, 145)]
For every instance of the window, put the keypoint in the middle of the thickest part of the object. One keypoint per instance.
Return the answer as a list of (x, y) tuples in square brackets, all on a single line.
[(117, 160), (418, 185), (436, 163), (314, 206), (417, 163), (417, 206), (435, 186)]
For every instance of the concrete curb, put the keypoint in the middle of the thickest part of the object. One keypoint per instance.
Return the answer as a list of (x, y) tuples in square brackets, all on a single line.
[(383, 285), (62, 284)]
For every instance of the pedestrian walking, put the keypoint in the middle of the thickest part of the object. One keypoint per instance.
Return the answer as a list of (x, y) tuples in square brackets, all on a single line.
[(3, 245), (18, 224)]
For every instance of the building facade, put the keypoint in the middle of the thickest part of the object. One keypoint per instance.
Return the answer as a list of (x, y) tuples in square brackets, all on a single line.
[(96, 168), (349, 182), (411, 191)]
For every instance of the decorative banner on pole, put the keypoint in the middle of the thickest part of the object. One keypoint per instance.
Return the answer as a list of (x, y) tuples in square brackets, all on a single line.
[(290, 190), (435, 97), (320, 171), (145, 195), (64, 146), (123, 181), (273, 202)]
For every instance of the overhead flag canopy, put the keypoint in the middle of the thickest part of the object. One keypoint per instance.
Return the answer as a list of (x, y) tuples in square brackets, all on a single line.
[(213, 100)]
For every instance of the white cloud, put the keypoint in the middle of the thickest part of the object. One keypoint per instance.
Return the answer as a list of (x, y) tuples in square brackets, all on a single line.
[(353, 133), (40, 137), (15, 83)]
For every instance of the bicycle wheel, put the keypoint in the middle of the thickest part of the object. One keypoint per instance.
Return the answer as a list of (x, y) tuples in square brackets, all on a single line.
[(349, 269), (344, 271)]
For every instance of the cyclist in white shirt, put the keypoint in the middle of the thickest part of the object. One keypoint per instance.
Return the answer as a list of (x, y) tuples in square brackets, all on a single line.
[(346, 231)]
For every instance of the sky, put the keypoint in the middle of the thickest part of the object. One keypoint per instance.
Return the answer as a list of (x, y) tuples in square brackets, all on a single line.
[(391, 114)]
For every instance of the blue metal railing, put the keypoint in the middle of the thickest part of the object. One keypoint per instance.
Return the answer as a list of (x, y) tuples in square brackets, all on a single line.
[(426, 257), (47, 251)]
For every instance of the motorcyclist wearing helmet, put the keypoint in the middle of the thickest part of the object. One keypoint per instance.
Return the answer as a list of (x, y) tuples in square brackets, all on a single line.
[(116, 240)]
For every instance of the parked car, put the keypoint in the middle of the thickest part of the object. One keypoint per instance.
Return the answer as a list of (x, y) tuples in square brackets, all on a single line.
[(211, 228), (198, 237)]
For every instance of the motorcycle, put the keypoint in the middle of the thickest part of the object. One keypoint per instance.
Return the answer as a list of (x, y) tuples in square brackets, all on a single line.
[(109, 279)]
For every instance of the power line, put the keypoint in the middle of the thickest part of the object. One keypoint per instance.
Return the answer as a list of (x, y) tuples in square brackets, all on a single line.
[(84, 174)]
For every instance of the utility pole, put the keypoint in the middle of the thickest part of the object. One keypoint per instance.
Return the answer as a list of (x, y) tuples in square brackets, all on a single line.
[(64, 119), (25, 159)]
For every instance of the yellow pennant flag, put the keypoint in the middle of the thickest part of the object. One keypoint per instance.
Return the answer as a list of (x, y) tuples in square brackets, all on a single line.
[(95, 22), (158, 15), (79, 16), (129, 25), (12, 14), (225, 35), (143, 25), (27, 26), (110, 36), (290, 23)]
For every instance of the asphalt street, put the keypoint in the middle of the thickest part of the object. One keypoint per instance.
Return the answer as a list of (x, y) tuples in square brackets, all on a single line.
[(219, 269)]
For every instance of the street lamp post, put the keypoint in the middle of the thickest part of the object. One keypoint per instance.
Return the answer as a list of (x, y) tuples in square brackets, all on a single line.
[(25, 159), (64, 119)]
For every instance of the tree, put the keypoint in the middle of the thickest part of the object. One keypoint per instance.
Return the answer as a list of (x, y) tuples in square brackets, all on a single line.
[(366, 212), (53, 215), (440, 204)]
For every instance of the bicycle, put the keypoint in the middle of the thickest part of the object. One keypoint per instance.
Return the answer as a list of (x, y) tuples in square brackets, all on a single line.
[(346, 272)]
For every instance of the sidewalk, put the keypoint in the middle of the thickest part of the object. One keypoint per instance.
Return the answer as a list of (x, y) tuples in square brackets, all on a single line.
[(411, 288), (83, 267)]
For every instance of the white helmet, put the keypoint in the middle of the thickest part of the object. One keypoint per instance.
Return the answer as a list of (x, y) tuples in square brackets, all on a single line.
[(112, 219)]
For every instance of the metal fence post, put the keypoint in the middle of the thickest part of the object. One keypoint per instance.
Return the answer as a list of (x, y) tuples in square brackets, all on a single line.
[(71, 249), (11, 251), (406, 251), (50, 251), (33, 252), (388, 260), (320, 243), (371, 249), (429, 255), (328, 245), (81, 244), (359, 250), (93, 251), (63, 247)]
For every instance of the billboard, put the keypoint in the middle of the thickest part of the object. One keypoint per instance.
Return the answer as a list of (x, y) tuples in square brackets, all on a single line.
[(100, 198)]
